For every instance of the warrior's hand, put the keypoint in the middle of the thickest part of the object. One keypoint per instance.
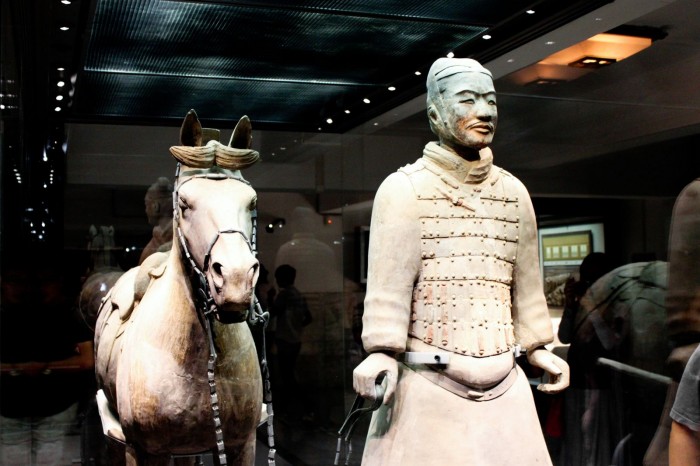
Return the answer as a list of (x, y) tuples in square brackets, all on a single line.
[(557, 368), (369, 373)]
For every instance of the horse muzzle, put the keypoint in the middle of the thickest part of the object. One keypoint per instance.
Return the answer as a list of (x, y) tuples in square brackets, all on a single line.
[(232, 290)]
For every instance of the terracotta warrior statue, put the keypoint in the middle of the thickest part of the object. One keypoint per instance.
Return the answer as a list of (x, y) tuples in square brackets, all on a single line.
[(453, 292), (158, 204)]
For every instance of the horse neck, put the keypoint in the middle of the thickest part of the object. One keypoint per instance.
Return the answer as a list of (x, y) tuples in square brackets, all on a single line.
[(179, 281)]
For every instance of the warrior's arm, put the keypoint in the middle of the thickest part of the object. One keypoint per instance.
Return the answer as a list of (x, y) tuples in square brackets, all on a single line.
[(531, 321), (394, 260)]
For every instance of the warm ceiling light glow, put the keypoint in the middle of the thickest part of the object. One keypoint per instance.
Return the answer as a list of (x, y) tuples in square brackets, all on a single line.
[(64, 28), (57, 109), (59, 97), (486, 36), (347, 111), (65, 2), (451, 55), (329, 121), (530, 12), (366, 101), (60, 84), (609, 48), (60, 68), (391, 88)]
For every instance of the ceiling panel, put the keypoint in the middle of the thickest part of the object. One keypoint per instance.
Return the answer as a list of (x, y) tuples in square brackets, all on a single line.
[(304, 65)]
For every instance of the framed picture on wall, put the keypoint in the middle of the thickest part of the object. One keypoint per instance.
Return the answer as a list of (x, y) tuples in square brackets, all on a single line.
[(562, 249)]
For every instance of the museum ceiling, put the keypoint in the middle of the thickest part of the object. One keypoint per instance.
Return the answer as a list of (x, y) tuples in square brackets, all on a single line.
[(299, 65)]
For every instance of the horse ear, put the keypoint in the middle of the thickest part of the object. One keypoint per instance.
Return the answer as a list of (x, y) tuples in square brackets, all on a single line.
[(242, 136), (191, 130)]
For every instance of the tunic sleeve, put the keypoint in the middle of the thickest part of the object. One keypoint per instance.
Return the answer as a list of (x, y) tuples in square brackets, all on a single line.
[(686, 407), (531, 321), (393, 264)]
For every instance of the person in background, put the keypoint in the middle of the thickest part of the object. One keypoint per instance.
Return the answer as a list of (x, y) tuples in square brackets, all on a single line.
[(684, 445), (291, 314), (589, 434), (47, 363)]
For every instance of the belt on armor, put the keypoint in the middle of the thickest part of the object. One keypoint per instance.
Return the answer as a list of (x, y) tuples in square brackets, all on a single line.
[(439, 378)]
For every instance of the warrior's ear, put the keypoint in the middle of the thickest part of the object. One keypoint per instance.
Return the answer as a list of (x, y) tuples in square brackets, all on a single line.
[(191, 130), (242, 137)]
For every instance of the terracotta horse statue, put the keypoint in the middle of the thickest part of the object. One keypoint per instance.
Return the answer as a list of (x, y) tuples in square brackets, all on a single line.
[(176, 364)]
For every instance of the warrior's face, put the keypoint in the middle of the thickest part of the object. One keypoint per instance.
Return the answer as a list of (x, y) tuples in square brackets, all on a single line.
[(466, 115)]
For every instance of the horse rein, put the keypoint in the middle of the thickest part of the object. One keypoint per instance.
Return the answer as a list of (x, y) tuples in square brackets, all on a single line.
[(206, 308)]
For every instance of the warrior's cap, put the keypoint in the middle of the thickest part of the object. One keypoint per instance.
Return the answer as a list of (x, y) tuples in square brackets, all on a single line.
[(446, 67)]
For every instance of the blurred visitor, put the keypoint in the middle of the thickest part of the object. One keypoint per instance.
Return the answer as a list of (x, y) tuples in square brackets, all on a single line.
[(47, 363), (291, 313)]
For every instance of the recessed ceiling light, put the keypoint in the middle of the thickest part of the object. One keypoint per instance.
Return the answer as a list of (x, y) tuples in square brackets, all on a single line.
[(417, 73), (60, 83), (550, 42), (366, 100), (391, 88), (64, 28), (60, 68), (530, 12), (2, 107), (486, 36), (347, 111), (59, 97), (66, 2), (510, 60), (57, 109), (376, 124), (451, 55), (329, 121)]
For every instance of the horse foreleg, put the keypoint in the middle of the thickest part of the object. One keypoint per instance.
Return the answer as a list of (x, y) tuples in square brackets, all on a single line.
[(242, 454), (135, 457)]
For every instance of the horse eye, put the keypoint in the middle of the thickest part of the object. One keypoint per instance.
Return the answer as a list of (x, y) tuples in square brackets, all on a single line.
[(253, 204), (183, 204)]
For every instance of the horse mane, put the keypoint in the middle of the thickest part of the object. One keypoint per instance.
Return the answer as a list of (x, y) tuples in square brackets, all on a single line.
[(194, 152)]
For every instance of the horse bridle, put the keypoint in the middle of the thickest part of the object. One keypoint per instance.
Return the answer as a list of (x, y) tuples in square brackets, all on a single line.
[(206, 306)]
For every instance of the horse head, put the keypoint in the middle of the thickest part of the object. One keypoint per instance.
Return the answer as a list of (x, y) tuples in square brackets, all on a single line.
[(213, 212)]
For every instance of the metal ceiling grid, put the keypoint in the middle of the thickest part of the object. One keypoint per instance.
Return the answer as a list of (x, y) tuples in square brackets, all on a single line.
[(302, 66)]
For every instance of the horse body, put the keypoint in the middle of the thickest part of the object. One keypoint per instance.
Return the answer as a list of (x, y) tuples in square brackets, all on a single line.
[(152, 360)]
